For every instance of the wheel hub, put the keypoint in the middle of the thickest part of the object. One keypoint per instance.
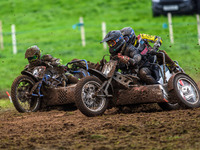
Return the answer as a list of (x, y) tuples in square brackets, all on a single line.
[(187, 91)]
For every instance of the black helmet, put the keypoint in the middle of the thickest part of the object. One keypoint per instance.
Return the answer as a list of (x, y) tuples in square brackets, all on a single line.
[(128, 34), (114, 40), (32, 53)]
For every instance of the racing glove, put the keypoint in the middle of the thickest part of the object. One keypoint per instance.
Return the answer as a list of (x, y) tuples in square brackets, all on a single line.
[(126, 59), (123, 59), (157, 44)]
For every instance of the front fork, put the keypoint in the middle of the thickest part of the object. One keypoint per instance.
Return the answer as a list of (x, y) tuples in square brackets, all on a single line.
[(38, 86), (105, 84)]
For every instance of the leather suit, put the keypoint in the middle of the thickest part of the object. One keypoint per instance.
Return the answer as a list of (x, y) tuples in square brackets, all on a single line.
[(147, 72)]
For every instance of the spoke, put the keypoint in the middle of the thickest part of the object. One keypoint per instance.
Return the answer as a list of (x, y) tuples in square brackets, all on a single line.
[(23, 90)]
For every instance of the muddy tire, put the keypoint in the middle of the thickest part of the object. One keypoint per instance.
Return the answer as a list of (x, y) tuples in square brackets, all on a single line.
[(186, 91), (20, 89), (88, 105)]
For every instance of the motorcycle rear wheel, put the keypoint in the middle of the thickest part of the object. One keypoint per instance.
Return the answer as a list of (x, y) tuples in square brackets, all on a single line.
[(186, 91), (20, 90), (88, 105)]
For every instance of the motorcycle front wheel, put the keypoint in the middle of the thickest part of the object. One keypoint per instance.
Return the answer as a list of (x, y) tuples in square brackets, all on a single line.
[(84, 97), (186, 91), (20, 94)]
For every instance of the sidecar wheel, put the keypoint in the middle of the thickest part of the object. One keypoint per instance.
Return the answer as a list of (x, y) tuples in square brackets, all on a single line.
[(88, 105), (20, 89), (186, 91)]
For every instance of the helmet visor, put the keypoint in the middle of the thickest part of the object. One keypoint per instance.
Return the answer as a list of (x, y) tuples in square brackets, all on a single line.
[(31, 59), (111, 43)]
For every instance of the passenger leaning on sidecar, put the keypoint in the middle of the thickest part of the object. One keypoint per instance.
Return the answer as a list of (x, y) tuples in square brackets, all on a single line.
[(147, 72), (33, 54), (126, 53)]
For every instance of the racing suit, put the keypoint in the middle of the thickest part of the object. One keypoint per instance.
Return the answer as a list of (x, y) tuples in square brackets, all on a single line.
[(49, 61), (128, 54), (147, 72)]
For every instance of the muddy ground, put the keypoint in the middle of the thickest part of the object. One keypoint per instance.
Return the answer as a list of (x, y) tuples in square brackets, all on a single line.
[(147, 127)]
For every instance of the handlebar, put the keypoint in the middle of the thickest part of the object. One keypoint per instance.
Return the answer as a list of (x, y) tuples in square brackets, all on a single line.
[(86, 64)]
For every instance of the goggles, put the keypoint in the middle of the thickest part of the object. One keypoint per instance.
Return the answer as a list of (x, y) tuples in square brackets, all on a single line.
[(31, 59), (112, 43)]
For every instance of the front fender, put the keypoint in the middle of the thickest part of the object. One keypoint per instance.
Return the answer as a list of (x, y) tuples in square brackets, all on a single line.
[(24, 72), (98, 74)]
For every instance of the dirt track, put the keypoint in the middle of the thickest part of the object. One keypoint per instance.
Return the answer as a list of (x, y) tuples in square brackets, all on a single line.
[(148, 127), (145, 127)]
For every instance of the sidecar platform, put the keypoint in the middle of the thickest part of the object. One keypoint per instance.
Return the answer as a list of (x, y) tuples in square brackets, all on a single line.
[(60, 96), (133, 95), (141, 94)]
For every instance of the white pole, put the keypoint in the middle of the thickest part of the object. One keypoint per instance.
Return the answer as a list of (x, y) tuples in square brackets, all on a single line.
[(198, 28), (14, 43), (104, 33), (82, 31), (1, 35), (170, 27)]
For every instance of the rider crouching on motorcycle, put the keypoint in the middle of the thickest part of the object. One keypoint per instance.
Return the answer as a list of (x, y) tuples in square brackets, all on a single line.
[(33, 54), (147, 72), (126, 53)]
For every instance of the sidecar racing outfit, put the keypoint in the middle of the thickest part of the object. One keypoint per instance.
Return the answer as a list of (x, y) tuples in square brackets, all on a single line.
[(147, 72), (33, 54), (127, 53)]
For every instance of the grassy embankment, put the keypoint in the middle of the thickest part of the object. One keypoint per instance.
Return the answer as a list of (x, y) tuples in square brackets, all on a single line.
[(49, 25)]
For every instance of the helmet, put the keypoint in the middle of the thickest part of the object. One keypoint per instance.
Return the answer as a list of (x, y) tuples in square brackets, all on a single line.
[(114, 40), (32, 53), (128, 34)]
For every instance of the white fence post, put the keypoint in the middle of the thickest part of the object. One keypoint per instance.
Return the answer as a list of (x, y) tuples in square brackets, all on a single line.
[(82, 31), (1, 35), (170, 27), (104, 33), (14, 43), (198, 28)]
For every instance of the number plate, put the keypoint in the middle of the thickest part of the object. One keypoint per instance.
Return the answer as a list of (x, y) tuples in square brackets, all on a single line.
[(170, 8)]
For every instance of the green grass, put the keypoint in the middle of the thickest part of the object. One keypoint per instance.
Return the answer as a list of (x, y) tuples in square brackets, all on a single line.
[(48, 23), (5, 104)]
